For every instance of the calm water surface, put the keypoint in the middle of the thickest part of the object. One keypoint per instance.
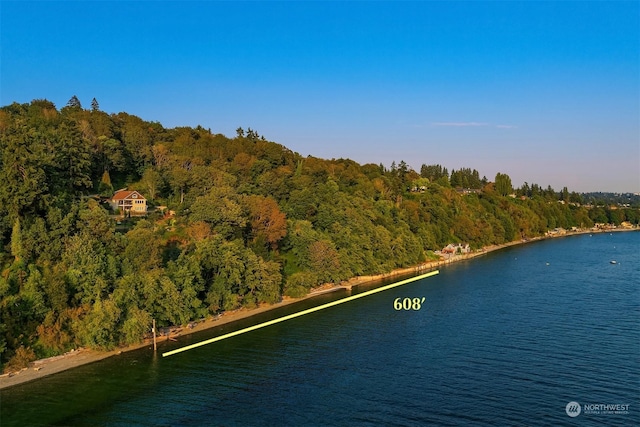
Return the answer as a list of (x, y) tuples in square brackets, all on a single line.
[(506, 339)]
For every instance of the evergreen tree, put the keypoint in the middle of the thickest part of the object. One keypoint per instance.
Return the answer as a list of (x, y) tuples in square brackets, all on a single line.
[(74, 102), (105, 188), (433, 172)]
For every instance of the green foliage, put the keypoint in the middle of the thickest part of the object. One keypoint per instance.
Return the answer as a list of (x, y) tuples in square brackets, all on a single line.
[(151, 182), (466, 178), (98, 327), (26, 160), (74, 102), (246, 222), (72, 160), (105, 188), (222, 210), (136, 325), (503, 184), (298, 284), (433, 172), (21, 359), (17, 249)]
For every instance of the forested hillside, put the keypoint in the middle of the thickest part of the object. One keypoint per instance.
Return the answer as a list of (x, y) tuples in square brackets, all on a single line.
[(246, 222)]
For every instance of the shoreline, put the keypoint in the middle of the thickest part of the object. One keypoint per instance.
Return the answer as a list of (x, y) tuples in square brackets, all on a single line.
[(77, 357)]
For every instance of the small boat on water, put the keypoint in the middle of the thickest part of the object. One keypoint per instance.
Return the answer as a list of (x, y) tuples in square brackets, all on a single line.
[(613, 262)]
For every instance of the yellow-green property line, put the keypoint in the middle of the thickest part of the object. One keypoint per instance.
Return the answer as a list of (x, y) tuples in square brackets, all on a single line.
[(298, 314)]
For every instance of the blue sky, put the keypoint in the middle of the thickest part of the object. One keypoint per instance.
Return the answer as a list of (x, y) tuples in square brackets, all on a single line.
[(547, 92)]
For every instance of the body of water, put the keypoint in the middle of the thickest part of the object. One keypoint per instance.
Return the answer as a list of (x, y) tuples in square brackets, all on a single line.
[(507, 339)]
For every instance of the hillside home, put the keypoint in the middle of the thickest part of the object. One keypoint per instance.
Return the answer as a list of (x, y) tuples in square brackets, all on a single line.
[(129, 202)]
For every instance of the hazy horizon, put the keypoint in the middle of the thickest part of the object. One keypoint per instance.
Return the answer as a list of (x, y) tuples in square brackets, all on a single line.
[(547, 92)]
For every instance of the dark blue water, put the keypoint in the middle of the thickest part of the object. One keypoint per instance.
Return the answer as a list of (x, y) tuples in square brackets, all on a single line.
[(507, 339)]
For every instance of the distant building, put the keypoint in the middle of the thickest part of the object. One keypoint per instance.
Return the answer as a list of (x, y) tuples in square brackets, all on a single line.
[(452, 249), (558, 231), (129, 202), (418, 189), (467, 191)]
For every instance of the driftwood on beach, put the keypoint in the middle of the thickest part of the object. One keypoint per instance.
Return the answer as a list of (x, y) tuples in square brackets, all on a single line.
[(77, 357)]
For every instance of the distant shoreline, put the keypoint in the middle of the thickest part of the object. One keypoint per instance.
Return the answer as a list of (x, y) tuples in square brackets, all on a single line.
[(45, 367)]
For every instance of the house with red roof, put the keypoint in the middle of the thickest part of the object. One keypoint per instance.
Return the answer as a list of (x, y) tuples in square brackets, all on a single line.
[(129, 202)]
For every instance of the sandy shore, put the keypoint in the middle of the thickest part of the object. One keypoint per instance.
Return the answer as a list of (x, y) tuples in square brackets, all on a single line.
[(77, 357)]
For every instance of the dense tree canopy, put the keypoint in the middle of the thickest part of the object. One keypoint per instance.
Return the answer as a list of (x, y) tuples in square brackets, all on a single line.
[(251, 221)]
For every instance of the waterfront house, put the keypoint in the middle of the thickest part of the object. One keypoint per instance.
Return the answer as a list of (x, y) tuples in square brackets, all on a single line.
[(558, 231), (459, 248), (449, 249)]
